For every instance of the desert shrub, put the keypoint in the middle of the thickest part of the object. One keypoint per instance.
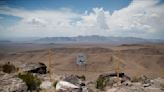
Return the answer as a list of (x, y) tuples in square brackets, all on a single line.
[(162, 85), (54, 84), (83, 78), (9, 68), (32, 82), (135, 79), (101, 82)]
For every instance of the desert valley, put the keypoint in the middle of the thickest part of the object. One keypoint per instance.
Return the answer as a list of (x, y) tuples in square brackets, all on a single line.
[(135, 60)]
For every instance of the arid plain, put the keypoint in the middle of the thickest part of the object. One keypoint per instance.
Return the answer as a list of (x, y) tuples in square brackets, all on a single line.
[(135, 59)]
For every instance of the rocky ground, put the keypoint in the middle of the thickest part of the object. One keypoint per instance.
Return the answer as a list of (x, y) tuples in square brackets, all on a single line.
[(108, 82), (11, 83)]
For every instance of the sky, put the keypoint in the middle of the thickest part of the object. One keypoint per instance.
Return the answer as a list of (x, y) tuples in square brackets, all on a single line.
[(67, 18)]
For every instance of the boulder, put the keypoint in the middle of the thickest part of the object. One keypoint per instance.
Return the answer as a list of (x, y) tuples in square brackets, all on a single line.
[(73, 79), (71, 83), (64, 86), (39, 68), (146, 85)]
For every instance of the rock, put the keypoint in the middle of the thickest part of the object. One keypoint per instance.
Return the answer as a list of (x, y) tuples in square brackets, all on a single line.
[(109, 75), (138, 84), (64, 86), (158, 82), (144, 79), (10, 83), (39, 68), (152, 81), (152, 89), (133, 89), (73, 79), (112, 90), (146, 85), (46, 85), (85, 89), (71, 83), (127, 83), (114, 80)]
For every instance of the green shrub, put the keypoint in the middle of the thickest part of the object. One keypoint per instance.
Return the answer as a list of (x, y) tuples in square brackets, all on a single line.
[(101, 82), (32, 82), (9, 68), (54, 84), (83, 78), (162, 85)]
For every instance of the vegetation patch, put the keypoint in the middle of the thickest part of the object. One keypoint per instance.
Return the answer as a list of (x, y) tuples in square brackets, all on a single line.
[(9, 68), (83, 78), (55, 83), (101, 82), (32, 82), (162, 85)]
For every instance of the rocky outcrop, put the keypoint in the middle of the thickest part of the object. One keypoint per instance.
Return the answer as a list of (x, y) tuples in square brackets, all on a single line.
[(10, 83), (39, 68), (141, 86), (111, 83), (72, 79), (71, 83), (134, 89)]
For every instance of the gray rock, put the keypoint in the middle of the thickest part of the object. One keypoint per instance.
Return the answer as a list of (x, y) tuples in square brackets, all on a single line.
[(73, 79), (146, 85), (127, 83), (10, 83), (39, 68), (158, 82), (134, 89)]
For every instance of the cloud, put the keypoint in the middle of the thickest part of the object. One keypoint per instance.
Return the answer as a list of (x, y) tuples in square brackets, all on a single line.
[(36, 21), (141, 18), (101, 18)]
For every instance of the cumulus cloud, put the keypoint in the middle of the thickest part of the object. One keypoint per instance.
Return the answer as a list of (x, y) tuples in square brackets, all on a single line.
[(141, 18)]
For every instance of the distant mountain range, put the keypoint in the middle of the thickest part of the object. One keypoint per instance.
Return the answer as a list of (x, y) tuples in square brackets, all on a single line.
[(98, 39), (4, 41)]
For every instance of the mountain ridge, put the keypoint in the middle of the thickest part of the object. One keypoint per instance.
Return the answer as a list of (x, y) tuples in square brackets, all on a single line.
[(98, 39)]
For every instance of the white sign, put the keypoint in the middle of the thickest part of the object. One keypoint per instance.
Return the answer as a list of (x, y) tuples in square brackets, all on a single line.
[(81, 59)]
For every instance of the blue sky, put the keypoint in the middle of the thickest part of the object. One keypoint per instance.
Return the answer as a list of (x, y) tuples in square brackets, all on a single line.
[(43, 18), (76, 5), (79, 5)]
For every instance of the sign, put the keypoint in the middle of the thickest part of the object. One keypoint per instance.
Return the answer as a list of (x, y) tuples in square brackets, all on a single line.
[(81, 59)]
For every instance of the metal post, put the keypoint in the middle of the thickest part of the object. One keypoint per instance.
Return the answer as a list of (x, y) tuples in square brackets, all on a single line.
[(50, 66), (118, 67), (49, 59)]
